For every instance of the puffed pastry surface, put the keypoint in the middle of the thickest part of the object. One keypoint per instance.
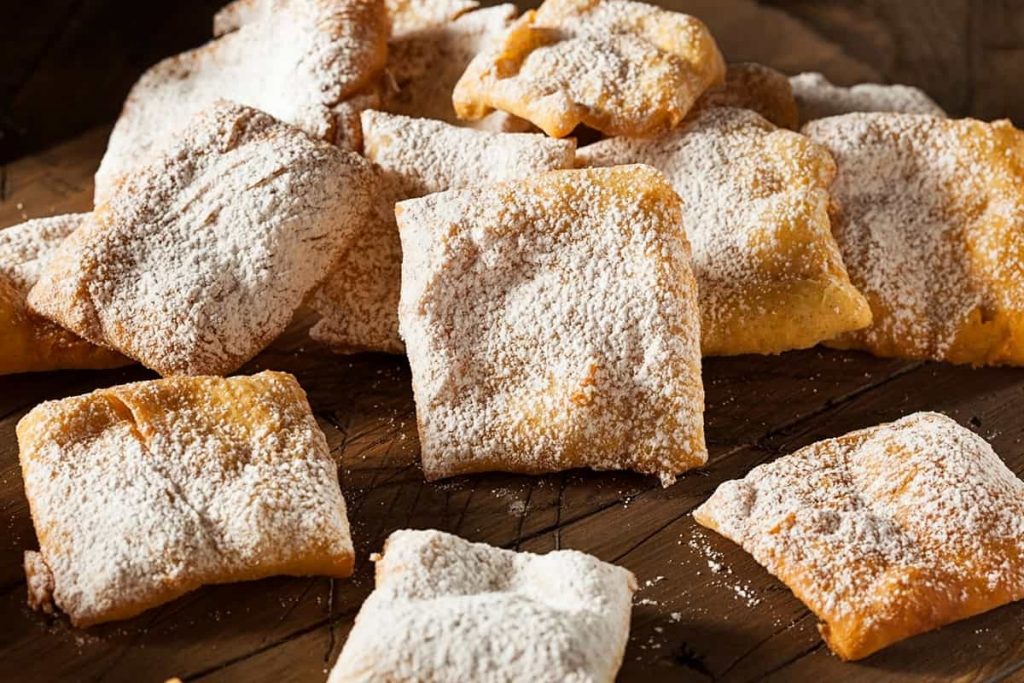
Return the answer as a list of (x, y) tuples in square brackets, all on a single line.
[(817, 98), (756, 87), (552, 323), (200, 259), (426, 62), (358, 303), (448, 611), (620, 67), (29, 342), (143, 492), (755, 209), (885, 532), (929, 215), (311, 63)]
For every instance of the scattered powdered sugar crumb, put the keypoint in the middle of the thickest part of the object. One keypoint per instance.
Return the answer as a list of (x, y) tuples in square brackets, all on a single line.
[(817, 98), (869, 526), (442, 608)]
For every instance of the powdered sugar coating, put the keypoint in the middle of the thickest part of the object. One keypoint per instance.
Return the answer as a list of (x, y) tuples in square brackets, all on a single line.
[(425, 64), (408, 16), (143, 492), (447, 610), (200, 259), (27, 247), (817, 98), (929, 215), (358, 303), (552, 323), (756, 87), (885, 532), (298, 60), (755, 209), (28, 342), (620, 67)]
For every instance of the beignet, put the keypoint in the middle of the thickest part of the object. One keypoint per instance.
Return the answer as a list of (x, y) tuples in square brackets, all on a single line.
[(449, 611), (551, 323), (199, 260), (306, 62), (885, 532), (617, 66), (143, 492), (817, 98), (29, 342)]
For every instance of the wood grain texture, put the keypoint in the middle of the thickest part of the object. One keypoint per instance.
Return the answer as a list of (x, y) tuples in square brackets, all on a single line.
[(706, 611)]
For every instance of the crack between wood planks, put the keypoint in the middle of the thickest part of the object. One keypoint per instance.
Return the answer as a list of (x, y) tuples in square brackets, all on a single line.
[(331, 637), (525, 513), (209, 671), (757, 645), (791, 661), (292, 607), (1006, 673), (833, 404)]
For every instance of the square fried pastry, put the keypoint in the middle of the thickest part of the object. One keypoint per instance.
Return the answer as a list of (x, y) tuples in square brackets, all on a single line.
[(818, 98), (755, 209), (885, 532), (617, 66), (200, 259), (551, 323), (358, 303), (29, 342), (302, 61), (757, 87), (426, 63), (929, 215), (442, 606), (143, 492)]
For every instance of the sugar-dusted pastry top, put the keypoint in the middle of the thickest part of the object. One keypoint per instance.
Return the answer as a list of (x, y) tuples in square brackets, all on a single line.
[(884, 532), (929, 215), (29, 342), (757, 87), (143, 492), (447, 610), (425, 64), (199, 259), (620, 67), (552, 323), (409, 16), (298, 60), (358, 303), (755, 209), (817, 98)]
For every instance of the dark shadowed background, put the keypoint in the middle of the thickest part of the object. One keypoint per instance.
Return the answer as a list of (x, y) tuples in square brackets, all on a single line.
[(66, 65)]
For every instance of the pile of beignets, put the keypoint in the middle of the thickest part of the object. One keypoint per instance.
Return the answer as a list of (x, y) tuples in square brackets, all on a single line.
[(405, 174)]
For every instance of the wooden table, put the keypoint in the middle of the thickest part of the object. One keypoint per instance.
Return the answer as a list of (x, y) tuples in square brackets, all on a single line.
[(705, 610)]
